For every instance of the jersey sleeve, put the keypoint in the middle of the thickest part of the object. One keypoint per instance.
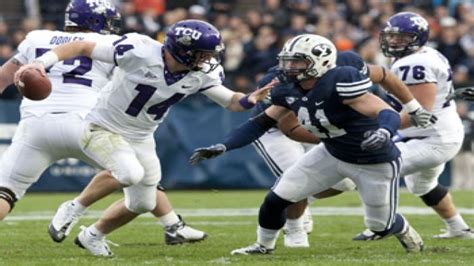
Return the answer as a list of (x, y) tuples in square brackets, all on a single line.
[(414, 71), (213, 79), (26, 48), (351, 83), (22, 55), (279, 96), (131, 50), (268, 77), (349, 58), (220, 95)]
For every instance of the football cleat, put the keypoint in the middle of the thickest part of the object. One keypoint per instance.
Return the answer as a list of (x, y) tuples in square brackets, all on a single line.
[(254, 249), (410, 239), (96, 246), (180, 233), (461, 234), (366, 235), (296, 239), (63, 221), (307, 221)]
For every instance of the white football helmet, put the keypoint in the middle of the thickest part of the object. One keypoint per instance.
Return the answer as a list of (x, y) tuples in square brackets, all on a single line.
[(318, 53)]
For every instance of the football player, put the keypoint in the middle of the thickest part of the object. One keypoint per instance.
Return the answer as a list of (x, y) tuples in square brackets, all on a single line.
[(49, 130), (280, 152), (425, 151), (355, 126), (149, 78)]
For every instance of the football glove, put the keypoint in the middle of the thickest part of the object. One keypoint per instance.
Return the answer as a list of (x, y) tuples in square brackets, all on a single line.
[(466, 93), (375, 139), (422, 118), (201, 154)]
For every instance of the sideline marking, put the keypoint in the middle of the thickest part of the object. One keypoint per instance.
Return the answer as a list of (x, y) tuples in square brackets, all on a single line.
[(232, 212)]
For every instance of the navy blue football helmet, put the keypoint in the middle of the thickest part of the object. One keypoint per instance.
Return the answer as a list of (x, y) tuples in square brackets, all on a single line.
[(195, 44), (99, 16), (403, 34)]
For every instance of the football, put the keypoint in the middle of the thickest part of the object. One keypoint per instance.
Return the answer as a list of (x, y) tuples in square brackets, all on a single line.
[(33, 85)]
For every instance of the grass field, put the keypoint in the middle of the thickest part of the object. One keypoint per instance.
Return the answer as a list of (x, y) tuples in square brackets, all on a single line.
[(229, 217)]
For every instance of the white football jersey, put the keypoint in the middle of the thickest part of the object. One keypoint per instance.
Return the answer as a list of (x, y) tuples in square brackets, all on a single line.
[(139, 96), (76, 82), (429, 65)]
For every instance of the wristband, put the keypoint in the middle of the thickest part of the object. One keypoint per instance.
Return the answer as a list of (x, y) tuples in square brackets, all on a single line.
[(47, 59), (412, 106), (244, 102)]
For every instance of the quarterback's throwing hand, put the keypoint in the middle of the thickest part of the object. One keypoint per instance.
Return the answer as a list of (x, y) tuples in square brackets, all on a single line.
[(375, 140), (422, 118), (201, 154)]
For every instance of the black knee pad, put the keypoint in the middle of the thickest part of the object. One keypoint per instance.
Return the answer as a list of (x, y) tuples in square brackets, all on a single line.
[(272, 212), (433, 197), (8, 196), (160, 188)]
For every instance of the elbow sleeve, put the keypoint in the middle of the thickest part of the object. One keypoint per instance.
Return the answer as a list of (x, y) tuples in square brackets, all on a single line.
[(249, 131)]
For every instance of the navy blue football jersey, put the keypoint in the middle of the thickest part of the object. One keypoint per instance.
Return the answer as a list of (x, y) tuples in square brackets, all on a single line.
[(346, 58), (321, 111)]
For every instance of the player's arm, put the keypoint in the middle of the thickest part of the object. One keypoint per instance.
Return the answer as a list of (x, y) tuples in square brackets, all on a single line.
[(245, 134), (425, 93), (389, 120), (237, 101), (101, 52), (388, 80), (291, 127), (7, 71), (465, 93), (69, 50), (368, 104), (417, 114)]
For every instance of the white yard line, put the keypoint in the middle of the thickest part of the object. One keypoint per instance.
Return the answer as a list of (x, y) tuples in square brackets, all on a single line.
[(316, 211)]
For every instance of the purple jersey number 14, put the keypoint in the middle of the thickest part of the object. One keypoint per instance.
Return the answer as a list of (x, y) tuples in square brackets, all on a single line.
[(145, 92)]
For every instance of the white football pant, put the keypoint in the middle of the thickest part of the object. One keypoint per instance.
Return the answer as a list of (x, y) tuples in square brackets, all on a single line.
[(424, 160), (134, 163), (280, 152), (318, 170), (38, 143)]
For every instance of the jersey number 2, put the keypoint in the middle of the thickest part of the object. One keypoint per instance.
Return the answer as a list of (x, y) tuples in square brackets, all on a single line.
[(85, 65)]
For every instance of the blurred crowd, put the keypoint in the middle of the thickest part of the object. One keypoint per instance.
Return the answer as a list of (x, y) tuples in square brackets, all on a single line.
[(255, 30)]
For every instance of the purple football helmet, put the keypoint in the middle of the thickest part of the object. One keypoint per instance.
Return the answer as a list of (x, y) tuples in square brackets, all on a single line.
[(403, 34), (195, 44), (99, 16)]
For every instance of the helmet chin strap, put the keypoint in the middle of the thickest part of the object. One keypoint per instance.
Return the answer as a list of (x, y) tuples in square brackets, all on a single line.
[(196, 68), (305, 75), (302, 76)]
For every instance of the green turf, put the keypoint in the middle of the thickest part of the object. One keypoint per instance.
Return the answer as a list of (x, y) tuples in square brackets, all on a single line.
[(141, 242)]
